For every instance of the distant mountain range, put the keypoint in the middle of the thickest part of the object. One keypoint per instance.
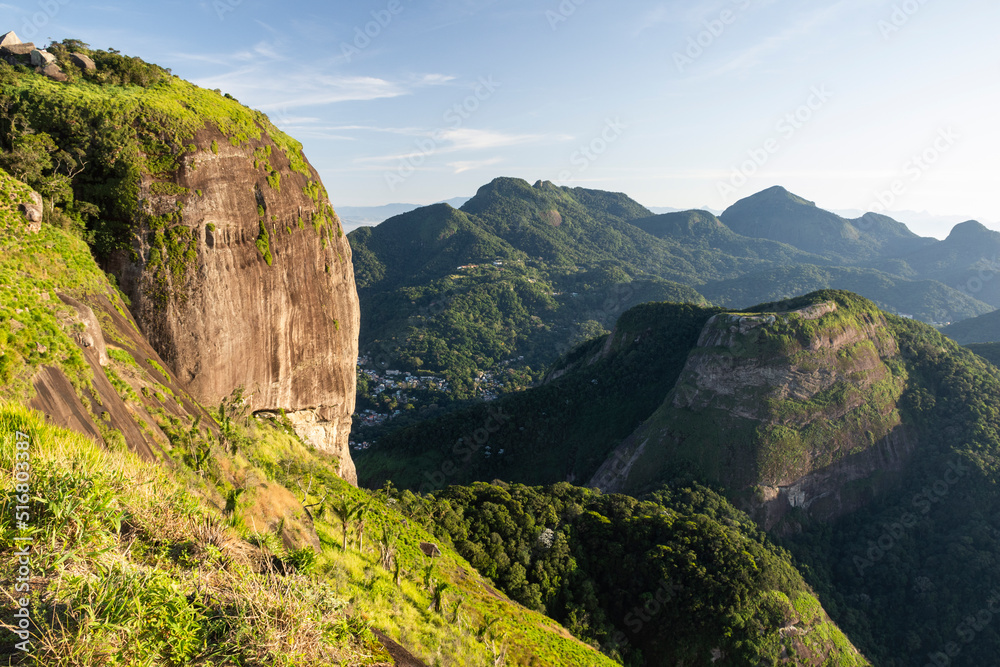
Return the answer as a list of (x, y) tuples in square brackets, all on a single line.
[(521, 272), (921, 223), (352, 217)]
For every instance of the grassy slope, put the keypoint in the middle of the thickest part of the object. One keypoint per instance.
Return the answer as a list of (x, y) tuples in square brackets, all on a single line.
[(130, 561), (121, 536), (36, 328)]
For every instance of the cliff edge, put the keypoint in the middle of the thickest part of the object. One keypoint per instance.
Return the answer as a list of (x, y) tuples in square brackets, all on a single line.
[(784, 407), (216, 227)]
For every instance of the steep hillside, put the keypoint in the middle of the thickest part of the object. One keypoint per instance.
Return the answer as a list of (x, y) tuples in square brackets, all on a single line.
[(561, 430), (218, 538), (968, 261), (133, 563), (869, 443), (459, 293), (926, 300), (679, 578), (779, 215), (240, 544), (214, 224), (767, 399), (982, 329)]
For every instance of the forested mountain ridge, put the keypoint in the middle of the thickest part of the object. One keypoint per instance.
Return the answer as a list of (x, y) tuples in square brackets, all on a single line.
[(869, 444), (521, 272), (779, 215)]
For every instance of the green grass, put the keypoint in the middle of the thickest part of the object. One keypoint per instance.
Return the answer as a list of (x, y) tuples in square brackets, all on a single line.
[(36, 328), (131, 568), (131, 561), (158, 368)]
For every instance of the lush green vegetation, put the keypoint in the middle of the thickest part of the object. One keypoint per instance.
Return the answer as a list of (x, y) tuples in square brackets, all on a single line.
[(458, 293), (926, 300), (528, 271), (679, 578), (907, 578), (135, 562), (988, 351), (562, 429), (91, 145), (232, 548), (982, 329), (36, 328)]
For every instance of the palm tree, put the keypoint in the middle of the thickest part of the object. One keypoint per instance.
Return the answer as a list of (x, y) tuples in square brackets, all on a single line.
[(361, 510), (344, 510), (387, 546), (437, 603)]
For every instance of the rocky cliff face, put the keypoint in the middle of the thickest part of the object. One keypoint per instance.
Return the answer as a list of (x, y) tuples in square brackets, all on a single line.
[(784, 408), (240, 275)]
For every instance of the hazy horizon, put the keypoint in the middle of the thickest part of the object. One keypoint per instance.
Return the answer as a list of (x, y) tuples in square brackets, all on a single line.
[(677, 104)]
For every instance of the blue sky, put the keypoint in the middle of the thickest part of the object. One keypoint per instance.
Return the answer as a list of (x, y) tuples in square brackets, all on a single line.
[(682, 104)]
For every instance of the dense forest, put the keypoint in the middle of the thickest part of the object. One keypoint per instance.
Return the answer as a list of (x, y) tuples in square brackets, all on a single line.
[(565, 428), (670, 579), (906, 576), (521, 273)]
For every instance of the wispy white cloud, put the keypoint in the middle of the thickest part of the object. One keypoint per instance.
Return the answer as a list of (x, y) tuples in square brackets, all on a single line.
[(754, 55), (459, 140), (263, 76), (471, 165), (464, 138)]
